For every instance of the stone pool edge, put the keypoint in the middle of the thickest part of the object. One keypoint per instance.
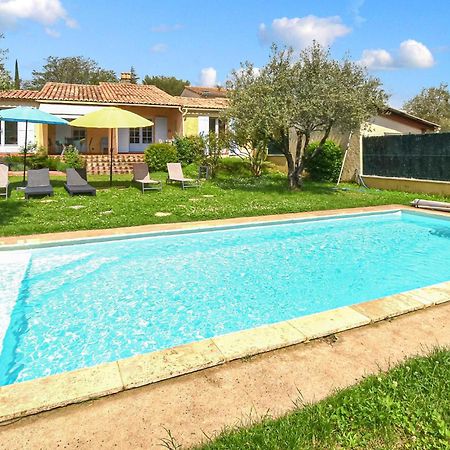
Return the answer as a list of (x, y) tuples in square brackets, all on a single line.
[(43, 394)]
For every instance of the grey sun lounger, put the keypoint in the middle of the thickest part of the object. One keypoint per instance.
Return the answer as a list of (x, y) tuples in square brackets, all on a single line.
[(38, 183), (175, 173), (77, 182), (4, 181), (141, 175)]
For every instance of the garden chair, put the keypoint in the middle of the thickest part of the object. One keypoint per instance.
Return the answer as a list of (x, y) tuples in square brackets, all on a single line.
[(38, 183), (4, 181), (76, 182), (175, 173), (141, 175)]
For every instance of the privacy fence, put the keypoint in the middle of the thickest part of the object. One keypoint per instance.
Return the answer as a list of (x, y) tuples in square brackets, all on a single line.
[(422, 156)]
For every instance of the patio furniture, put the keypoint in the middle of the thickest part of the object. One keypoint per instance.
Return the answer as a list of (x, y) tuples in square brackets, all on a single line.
[(38, 183), (77, 182), (141, 175), (4, 181), (175, 173)]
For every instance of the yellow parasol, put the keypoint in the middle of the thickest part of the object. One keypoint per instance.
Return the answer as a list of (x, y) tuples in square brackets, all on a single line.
[(111, 118)]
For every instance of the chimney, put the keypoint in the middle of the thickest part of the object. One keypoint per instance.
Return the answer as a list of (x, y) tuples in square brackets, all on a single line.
[(125, 77)]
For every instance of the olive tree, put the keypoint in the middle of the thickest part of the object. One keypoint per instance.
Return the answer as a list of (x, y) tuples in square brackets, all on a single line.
[(303, 96), (432, 104)]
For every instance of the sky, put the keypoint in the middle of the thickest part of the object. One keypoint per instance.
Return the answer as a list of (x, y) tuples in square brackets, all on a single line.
[(404, 43)]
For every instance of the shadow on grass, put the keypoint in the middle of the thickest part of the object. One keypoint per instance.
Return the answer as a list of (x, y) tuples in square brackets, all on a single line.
[(12, 206)]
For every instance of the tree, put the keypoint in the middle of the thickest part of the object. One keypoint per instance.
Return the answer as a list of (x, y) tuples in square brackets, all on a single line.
[(71, 69), (16, 76), (171, 85), (134, 78), (5, 77), (432, 104), (297, 97)]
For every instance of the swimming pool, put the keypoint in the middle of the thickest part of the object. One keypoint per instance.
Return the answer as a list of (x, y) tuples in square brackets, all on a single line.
[(69, 306)]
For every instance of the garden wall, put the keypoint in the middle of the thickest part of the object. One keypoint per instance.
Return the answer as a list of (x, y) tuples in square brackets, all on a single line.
[(418, 156)]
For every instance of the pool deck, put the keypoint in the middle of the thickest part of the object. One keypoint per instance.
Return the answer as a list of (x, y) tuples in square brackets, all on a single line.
[(203, 403), (32, 397)]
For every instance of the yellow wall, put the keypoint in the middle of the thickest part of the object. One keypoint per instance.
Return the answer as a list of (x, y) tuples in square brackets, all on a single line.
[(408, 185), (190, 126)]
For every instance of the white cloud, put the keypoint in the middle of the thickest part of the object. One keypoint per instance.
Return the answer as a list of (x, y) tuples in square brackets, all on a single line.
[(410, 55), (299, 32), (415, 54), (208, 77), (159, 48), (164, 28), (46, 12), (377, 59), (52, 32)]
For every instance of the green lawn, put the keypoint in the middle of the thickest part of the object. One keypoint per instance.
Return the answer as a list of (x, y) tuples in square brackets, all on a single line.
[(407, 408), (125, 205)]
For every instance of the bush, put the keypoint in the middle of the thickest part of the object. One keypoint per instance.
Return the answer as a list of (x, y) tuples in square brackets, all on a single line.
[(72, 157), (158, 155), (190, 149), (326, 165)]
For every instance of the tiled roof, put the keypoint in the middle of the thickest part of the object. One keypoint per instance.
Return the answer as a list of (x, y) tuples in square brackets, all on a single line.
[(112, 93), (200, 102), (209, 92), (106, 93), (19, 94), (401, 113)]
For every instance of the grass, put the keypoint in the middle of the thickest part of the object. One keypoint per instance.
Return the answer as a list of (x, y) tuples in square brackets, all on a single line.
[(125, 205), (405, 408)]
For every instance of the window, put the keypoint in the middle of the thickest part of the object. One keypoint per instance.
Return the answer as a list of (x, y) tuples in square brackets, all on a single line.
[(147, 135), (212, 124), (78, 134), (11, 133), (134, 135), (141, 135)]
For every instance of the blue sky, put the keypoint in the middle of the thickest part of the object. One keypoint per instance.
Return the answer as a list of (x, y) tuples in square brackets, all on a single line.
[(406, 44)]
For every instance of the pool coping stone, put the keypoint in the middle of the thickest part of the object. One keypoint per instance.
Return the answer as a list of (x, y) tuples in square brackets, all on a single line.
[(55, 391)]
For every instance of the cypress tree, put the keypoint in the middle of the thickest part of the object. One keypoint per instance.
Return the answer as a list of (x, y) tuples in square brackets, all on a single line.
[(16, 76)]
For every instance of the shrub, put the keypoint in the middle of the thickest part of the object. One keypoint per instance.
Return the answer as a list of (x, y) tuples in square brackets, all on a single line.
[(190, 149), (215, 145), (326, 165), (158, 155), (72, 157)]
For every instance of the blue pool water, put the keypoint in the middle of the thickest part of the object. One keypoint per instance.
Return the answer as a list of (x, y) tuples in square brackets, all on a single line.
[(66, 307)]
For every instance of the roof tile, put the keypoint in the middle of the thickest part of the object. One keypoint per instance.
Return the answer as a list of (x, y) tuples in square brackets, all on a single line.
[(112, 93)]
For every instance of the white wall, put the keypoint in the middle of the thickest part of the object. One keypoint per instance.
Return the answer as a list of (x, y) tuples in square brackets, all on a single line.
[(68, 111), (16, 148), (382, 125)]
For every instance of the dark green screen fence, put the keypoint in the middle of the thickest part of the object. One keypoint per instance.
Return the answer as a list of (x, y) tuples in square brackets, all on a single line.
[(423, 156)]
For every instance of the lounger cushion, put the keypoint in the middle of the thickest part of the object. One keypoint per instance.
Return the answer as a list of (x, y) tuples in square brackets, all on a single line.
[(82, 189), (39, 190)]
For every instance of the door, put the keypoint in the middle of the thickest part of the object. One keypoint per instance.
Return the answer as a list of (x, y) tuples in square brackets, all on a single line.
[(124, 140), (160, 129), (203, 125)]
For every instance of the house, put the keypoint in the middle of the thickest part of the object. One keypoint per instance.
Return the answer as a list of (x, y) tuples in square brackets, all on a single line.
[(171, 115), (197, 111), (388, 122)]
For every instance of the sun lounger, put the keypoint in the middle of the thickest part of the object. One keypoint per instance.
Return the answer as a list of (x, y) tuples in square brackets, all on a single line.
[(38, 183), (77, 182), (175, 173), (4, 181), (141, 176)]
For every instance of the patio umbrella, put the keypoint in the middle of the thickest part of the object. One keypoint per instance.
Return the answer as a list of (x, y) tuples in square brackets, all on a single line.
[(29, 114), (111, 118)]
